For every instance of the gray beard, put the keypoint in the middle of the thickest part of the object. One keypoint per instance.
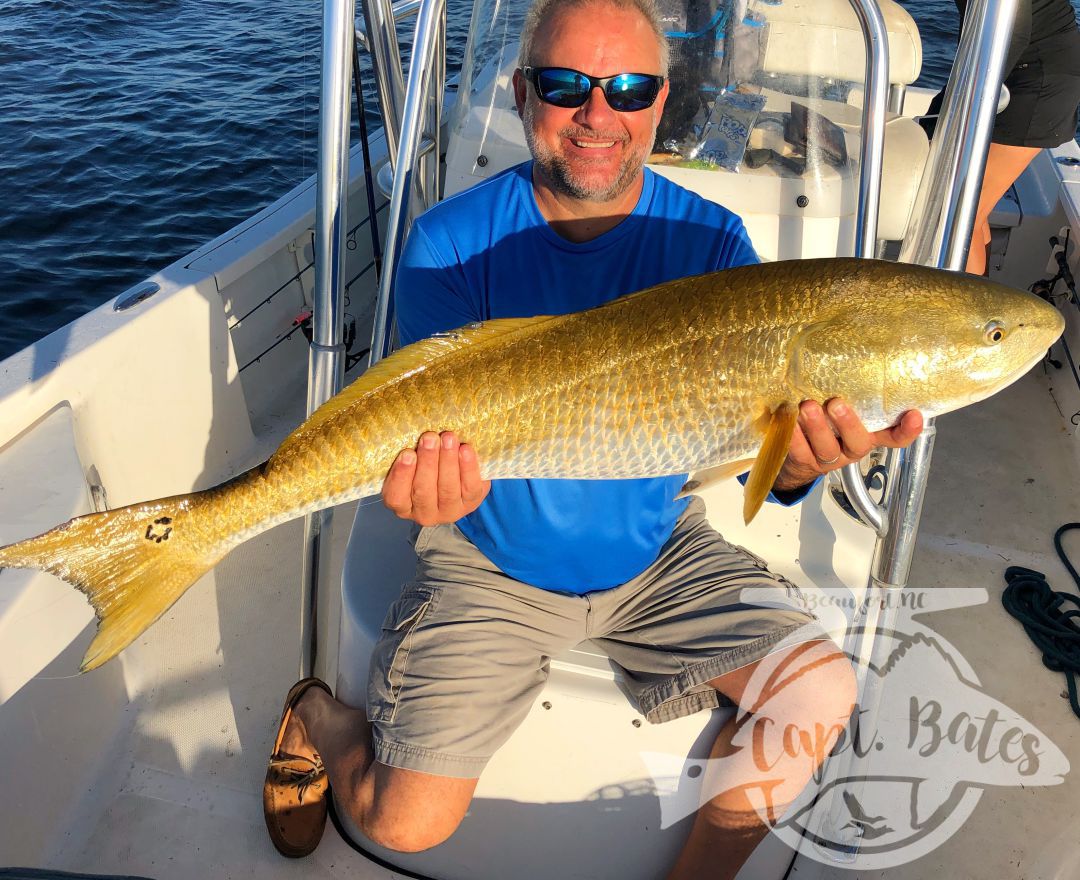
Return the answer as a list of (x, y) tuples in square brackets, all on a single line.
[(558, 171)]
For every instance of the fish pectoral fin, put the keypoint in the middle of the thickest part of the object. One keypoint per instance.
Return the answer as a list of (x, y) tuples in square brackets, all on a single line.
[(774, 449), (707, 477)]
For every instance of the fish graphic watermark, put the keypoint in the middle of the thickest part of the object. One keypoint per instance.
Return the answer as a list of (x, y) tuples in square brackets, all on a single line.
[(924, 742)]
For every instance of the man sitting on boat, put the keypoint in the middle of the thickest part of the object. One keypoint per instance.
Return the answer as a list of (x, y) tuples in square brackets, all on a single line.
[(512, 573)]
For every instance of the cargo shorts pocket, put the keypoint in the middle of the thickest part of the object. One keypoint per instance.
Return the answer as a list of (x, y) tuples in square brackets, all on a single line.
[(792, 595), (390, 658)]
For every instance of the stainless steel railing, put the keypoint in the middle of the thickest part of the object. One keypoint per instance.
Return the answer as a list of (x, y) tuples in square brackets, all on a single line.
[(412, 119), (326, 360), (380, 37), (381, 17), (875, 104), (939, 234), (423, 109), (399, 11)]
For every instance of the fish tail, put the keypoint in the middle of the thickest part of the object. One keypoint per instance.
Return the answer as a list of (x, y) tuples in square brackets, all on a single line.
[(132, 563)]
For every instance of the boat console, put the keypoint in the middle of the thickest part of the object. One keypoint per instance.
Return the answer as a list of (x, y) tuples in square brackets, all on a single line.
[(764, 117)]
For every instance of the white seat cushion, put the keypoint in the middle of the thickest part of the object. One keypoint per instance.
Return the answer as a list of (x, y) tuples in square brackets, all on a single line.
[(823, 38), (906, 149)]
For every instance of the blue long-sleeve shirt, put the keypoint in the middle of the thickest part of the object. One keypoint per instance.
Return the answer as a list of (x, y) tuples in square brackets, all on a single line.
[(488, 253)]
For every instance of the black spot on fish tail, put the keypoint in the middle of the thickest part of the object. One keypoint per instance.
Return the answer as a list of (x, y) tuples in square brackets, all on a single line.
[(152, 533)]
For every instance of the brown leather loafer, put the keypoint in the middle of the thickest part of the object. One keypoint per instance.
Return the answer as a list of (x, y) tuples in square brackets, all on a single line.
[(296, 789)]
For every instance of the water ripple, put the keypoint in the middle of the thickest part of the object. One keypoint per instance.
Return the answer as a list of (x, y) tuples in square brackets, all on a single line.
[(133, 132)]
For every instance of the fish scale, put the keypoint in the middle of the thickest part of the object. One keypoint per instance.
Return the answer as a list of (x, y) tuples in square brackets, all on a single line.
[(696, 374)]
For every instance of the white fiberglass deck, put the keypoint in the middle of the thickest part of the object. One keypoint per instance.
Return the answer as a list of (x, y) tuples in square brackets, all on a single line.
[(179, 793)]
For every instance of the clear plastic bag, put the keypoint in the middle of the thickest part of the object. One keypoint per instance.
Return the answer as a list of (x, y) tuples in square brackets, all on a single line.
[(716, 49), (720, 135)]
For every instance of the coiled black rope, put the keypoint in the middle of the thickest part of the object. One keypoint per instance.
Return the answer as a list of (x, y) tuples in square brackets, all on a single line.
[(1056, 632)]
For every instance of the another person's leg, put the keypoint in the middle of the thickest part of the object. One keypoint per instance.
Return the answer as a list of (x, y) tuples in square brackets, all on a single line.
[(1044, 93), (1004, 165)]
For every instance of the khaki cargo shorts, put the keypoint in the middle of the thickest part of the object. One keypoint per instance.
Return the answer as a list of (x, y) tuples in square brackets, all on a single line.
[(465, 649)]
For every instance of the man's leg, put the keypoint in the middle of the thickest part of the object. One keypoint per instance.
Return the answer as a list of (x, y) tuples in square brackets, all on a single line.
[(710, 613), (808, 691), (461, 656), (399, 809)]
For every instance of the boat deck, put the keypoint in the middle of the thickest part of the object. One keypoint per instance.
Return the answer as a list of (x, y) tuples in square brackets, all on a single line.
[(1003, 480), (182, 789)]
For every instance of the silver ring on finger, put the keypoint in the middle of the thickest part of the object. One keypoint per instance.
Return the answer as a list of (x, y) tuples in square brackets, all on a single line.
[(827, 461)]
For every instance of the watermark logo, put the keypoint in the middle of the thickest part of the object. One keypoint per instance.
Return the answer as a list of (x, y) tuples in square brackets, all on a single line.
[(925, 740)]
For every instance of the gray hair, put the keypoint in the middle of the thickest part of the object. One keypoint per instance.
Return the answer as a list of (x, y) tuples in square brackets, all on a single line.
[(543, 9)]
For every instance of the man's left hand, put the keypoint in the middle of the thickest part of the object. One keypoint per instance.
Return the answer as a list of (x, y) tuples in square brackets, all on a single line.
[(827, 438)]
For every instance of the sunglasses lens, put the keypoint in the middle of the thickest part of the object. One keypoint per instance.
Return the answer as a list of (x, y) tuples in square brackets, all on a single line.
[(562, 87), (632, 91), (626, 92)]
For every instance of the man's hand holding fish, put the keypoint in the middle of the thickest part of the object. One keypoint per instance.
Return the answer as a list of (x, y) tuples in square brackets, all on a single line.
[(829, 437)]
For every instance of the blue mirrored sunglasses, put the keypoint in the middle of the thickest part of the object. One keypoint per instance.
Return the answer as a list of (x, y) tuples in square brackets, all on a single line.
[(565, 87)]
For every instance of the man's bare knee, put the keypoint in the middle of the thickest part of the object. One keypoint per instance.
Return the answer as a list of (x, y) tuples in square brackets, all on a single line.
[(408, 811), (845, 688), (814, 676), (407, 835), (831, 687), (828, 690)]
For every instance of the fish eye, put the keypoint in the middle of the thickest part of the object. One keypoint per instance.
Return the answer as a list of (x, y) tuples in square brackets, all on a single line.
[(994, 332)]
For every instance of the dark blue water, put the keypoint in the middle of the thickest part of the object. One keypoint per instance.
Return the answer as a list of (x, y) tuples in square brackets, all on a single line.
[(131, 131)]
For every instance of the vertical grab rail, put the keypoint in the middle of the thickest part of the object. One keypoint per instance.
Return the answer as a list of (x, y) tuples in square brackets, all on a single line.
[(939, 232), (939, 235), (875, 101), (875, 105), (379, 18), (422, 73), (326, 359), (327, 352)]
